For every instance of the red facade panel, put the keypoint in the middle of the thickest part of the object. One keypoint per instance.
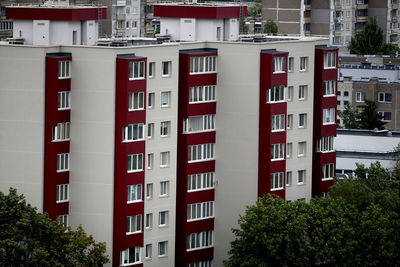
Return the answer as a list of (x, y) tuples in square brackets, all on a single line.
[(45, 13), (200, 12)]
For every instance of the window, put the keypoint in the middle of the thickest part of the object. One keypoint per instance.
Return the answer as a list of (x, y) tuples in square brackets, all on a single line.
[(325, 144), (63, 219), (329, 60), (289, 148), (288, 178), (162, 248), (200, 181), (63, 162), (360, 96), (132, 132), (149, 250), (199, 240), (164, 188), (291, 64), (200, 152), (62, 193), (150, 130), (338, 93), (149, 191), (328, 171), (207, 263), (199, 211), (385, 97), (290, 93), (150, 103), (302, 120), (301, 176), (61, 132), (150, 160), (277, 151), (149, 220), (164, 159), (152, 69), (134, 193), (203, 64), (136, 70), (301, 151), (303, 63), (278, 122), (166, 68), (130, 256), (165, 96), (328, 116), (199, 123), (201, 94), (133, 224), (64, 69), (302, 92), (385, 115), (345, 93), (276, 94), (329, 88), (136, 101), (135, 162), (289, 121), (162, 218), (276, 181), (64, 99), (279, 64), (164, 128)]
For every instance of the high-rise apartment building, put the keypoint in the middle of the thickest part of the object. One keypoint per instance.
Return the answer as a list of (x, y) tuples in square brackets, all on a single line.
[(339, 19), (156, 149)]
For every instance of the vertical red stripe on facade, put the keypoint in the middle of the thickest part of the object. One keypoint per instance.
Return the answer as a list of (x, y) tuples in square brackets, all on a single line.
[(322, 74), (52, 178), (266, 167), (122, 178), (183, 198)]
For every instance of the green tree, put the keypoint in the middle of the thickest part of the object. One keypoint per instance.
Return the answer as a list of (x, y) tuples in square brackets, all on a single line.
[(369, 117), (349, 116), (254, 11), (368, 41), (270, 27), (324, 232), (29, 238)]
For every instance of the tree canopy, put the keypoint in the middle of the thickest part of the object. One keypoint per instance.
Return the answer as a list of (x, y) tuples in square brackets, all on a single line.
[(29, 238), (362, 117), (270, 27)]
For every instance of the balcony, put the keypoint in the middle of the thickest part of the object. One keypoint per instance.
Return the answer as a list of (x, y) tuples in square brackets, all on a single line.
[(362, 6), (121, 16), (395, 6), (121, 2), (362, 19), (394, 19), (307, 4)]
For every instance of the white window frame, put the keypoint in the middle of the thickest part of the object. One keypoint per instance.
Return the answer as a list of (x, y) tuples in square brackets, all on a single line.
[(136, 101), (290, 93), (150, 161), (164, 128), (63, 219), (200, 181), (64, 69), (61, 132), (279, 64), (325, 144), (165, 99), (64, 100), (149, 221), (328, 116), (291, 64), (199, 240), (63, 162), (129, 132), (163, 218), (134, 193), (133, 224), (204, 123), (202, 94), (329, 88), (124, 256), (202, 65), (150, 100), (289, 176), (162, 249), (289, 122), (277, 181), (164, 188), (276, 94), (303, 92), (289, 150), (360, 97), (301, 149), (62, 193), (328, 171), (278, 123), (150, 130), (200, 211), (301, 174), (152, 69), (135, 163), (201, 152), (149, 251), (136, 70), (303, 64), (166, 68), (149, 191), (206, 263), (382, 114), (277, 152), (382, 96), (330, 60), (302, 120)]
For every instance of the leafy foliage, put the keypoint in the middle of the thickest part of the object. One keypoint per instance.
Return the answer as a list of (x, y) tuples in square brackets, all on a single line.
[(254, 11), (349, 116), (271, 27), (28, 238), (368, 41), (366, 117), (324, 232)]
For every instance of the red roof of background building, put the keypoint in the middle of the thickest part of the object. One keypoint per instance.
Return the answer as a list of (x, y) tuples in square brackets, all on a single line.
[(55, 13), (200, 11)]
